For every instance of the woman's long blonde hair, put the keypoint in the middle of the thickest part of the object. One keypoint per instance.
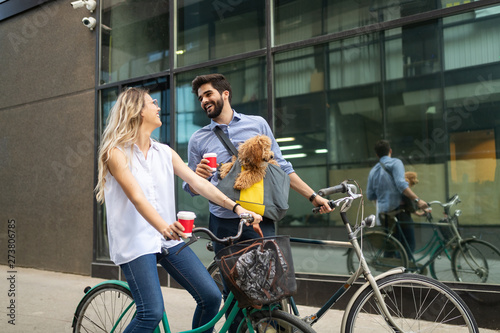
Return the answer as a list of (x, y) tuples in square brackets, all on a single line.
[(121, 131)]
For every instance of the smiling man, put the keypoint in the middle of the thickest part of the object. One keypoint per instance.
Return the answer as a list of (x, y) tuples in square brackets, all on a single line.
[(214, 93)]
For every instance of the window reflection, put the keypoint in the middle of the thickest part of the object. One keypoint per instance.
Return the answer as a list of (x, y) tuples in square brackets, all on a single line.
[(214, 29), (134, 39), (431, 88)]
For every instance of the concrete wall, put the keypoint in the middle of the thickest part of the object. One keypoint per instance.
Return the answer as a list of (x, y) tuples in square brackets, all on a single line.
[(47, 109)]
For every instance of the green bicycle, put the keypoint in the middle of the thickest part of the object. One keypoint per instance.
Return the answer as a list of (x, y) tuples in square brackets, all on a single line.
[(109, 307), (448, 256)]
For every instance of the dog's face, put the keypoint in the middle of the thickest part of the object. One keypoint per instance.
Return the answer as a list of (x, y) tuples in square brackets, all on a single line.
[(255, 150), (411, 178)]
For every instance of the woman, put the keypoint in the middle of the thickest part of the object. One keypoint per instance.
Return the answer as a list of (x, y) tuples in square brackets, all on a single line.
[(136, 181)]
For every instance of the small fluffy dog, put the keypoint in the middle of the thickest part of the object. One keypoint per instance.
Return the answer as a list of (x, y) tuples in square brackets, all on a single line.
[(254, 155)]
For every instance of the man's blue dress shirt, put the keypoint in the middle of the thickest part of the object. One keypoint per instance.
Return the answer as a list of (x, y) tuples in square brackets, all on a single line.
[(382, 188), (241, 128)]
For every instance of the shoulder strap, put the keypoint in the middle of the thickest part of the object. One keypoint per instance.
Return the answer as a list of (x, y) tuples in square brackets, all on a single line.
[(225, 141), (390, 173)]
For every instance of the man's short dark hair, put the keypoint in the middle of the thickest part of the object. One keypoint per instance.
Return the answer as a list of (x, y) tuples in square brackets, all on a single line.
[(218, 81), (382, 148)]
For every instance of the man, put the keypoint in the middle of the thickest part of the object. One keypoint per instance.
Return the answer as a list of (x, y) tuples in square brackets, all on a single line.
[(214, 94), (387, 185)]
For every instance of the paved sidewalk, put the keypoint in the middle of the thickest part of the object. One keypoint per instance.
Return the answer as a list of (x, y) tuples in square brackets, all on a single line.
[(45, 301)]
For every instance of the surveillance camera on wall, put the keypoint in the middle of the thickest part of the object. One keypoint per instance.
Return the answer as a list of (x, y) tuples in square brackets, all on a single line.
[(89, 22), (90, 4)]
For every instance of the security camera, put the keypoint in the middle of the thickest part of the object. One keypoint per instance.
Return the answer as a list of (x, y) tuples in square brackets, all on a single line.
[(89, 22), (77, 4), (90, 4)]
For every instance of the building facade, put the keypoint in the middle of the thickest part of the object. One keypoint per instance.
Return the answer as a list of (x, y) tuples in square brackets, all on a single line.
[(330, 77)]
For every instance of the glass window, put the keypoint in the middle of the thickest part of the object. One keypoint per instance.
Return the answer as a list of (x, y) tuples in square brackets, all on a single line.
[(217, 29), (472, 101), (134, 39), (158, 89), (301, 129), (355, 98), (302, 19), (108, 99), (413, 94), (471, 39)]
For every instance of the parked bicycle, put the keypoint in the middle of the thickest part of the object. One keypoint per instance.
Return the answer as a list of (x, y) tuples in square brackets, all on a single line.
[(393, 301), (448, 256), (109, 307)]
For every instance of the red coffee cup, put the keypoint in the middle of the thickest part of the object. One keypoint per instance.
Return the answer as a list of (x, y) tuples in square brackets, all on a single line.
[(212, 160), (187, 221)]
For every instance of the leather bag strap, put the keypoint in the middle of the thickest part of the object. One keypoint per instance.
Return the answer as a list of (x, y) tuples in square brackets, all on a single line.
[(225, 141)]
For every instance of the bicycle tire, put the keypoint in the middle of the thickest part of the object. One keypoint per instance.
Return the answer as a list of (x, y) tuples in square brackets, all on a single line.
[(476, 261), (417, 303), (441, 268), (382, 253), (214, 271), (101, 307), (275, 321)]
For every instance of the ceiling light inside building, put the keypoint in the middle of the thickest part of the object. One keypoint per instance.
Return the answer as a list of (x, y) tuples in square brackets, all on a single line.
[(285, 139), (290, 156), (291, 147)]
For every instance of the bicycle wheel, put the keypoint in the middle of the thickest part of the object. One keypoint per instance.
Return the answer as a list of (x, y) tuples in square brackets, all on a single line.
[(476, 261), (417, 303), (102, 307), (275, 321), (382, 252), (214, 271), (441, 267)]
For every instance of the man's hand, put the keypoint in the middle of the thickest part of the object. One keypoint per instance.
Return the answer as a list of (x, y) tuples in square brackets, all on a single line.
[(203, 170), (422, 204), (320, 201)]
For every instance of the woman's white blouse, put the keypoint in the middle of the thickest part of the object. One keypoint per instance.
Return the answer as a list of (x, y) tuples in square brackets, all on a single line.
[(130, 235)]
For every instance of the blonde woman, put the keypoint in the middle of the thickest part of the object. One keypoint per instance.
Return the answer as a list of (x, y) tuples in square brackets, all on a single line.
[(136, 182)]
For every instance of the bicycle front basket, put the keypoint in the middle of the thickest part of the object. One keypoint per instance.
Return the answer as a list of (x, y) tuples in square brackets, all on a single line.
[(258, 271)]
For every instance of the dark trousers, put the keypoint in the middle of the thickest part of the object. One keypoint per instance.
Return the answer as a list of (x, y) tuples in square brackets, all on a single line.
[(405, 233), (229, 227)]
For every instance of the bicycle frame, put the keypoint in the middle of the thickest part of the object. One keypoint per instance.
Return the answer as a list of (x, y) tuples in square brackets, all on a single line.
[(363, 269), (437, 244)]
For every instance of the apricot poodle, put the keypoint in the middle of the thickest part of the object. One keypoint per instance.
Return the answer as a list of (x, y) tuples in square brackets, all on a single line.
[(254, 155)]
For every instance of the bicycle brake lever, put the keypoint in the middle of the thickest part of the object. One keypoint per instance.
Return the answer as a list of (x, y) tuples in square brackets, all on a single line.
[(191, 241)]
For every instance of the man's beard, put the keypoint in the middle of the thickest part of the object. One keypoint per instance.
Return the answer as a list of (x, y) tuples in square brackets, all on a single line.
[(217, 109)]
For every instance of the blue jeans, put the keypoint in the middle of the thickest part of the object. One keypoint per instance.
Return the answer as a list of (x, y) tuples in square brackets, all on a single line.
[(229, 227), (187, 270)]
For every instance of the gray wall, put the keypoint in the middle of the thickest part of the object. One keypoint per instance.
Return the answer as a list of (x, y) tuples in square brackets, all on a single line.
[(47, 102)]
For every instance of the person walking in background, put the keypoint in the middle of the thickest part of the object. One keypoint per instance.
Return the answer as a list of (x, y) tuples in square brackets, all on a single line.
[(136, 182), (387, 186)]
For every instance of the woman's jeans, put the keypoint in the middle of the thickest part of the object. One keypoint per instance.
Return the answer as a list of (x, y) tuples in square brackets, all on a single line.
[(187, 270), (229, 227)]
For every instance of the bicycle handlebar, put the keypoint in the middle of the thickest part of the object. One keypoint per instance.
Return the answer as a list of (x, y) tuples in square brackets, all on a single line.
[(343, 187), (453, 201), (244, 218)]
